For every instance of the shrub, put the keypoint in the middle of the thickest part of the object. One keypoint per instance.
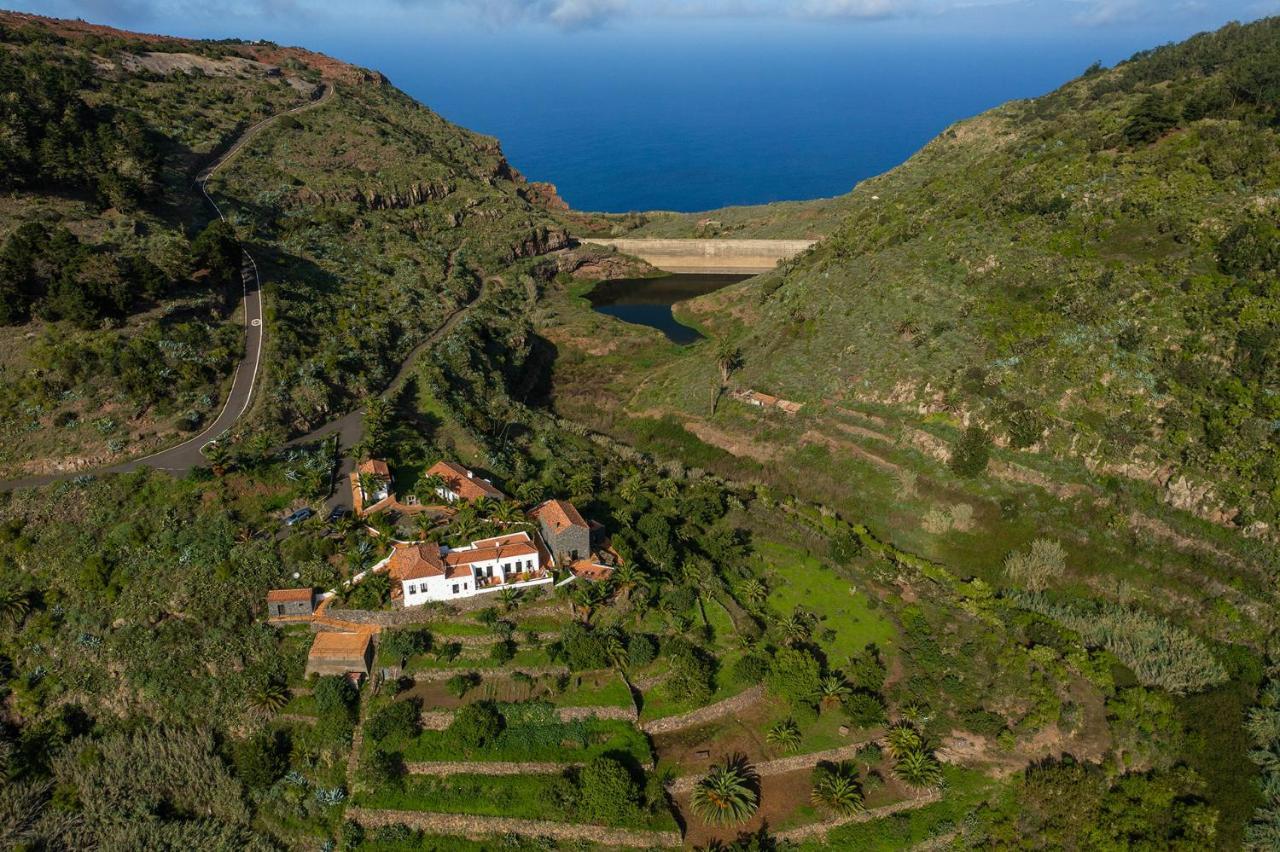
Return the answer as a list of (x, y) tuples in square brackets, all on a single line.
[(971, 453), (607, 791), (1159, 653), (692, 671), (865, 709), (750, 669), (400, 645), (866, 671), (502, 652), (398, 720), (335, 696), (262, 759), (795, 675), (462, 683), (583, 649), (384, 768), (641, 650), (1036, 569), (477, 725)]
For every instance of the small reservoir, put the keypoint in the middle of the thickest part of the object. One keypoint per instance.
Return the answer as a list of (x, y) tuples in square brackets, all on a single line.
[(648, 301)]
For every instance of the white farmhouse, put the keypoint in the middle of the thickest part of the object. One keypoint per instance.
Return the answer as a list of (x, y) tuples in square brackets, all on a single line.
[(429, 572)]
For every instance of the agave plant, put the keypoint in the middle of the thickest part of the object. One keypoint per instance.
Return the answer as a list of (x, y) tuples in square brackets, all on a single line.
[(836, 786), (917, 767), (727, 794), (785, 735)]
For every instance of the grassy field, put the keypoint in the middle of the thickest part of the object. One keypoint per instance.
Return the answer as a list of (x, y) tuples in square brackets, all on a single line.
[(569, 742), (799, 579)]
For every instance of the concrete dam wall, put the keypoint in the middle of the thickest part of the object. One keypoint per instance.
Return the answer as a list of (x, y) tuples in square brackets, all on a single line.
[(707, 256)]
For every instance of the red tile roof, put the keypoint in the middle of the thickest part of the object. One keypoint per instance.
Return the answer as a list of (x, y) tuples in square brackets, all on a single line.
[(375, 466), (290, 595), (339, 646), (501, 547), (463, 482), (558, 515), (415, 561)]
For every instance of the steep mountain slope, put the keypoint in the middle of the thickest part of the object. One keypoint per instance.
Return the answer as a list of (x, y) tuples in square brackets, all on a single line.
[(1090, 275), (116, 302)]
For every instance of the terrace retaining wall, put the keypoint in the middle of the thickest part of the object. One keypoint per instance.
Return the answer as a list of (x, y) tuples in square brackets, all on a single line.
[(706, 714), (478, 827)]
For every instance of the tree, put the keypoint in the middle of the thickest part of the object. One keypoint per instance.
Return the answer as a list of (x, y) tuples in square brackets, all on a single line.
[(728, 794), (971, 453), (334, 695), (865, 709), (867, 670), (836, 786), (754, 593), (217, 250), (384, 768), (1154, 116), (402, 644), (477, 725), (608, 793), (785, 735), (728, 361)]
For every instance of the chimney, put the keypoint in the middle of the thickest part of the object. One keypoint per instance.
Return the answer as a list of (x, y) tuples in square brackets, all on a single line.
[(470, 475)]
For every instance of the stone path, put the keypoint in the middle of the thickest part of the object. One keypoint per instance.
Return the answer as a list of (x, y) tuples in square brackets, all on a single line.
[(469, 825)]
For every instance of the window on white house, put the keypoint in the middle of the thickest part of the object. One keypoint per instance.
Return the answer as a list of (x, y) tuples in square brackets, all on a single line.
[(455, 588), (413, 589)]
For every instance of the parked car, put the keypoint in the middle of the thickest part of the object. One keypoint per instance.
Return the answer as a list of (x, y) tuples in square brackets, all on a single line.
[(298, 516), (338, 513)]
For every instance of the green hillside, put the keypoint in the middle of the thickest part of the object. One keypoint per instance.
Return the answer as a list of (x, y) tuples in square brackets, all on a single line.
[(117, 322)]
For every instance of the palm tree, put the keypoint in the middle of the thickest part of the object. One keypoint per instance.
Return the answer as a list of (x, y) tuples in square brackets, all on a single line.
[(370, 485), (836, 786), (902, 739), (483, 506), (832, 690), (728, 359), (754, 593), (14, 606), (616, 651), (509, 598), (917, 767), (529, 492), (585, 596), (509, 512), (270, 698), (727, 794), (785, 735), (631, 489), (431, 484), (219, 456), (464, 527), (628, 579), (794, 629), (667, 488)]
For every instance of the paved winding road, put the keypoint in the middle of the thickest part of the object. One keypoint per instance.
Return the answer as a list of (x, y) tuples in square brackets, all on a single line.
[(184, 456)]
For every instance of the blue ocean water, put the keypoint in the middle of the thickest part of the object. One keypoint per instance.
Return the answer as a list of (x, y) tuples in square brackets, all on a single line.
[(678, 123)]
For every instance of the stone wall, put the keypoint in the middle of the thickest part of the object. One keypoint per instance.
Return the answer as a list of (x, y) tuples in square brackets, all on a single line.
[(480, 827), (705, 714)]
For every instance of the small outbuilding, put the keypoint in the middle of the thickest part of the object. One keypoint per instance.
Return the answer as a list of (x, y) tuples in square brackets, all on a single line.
[(567, 535), (286, 602), (341, 654)]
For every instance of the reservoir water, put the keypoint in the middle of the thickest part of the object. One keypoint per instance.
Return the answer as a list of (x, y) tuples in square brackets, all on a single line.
[(648, 301)]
